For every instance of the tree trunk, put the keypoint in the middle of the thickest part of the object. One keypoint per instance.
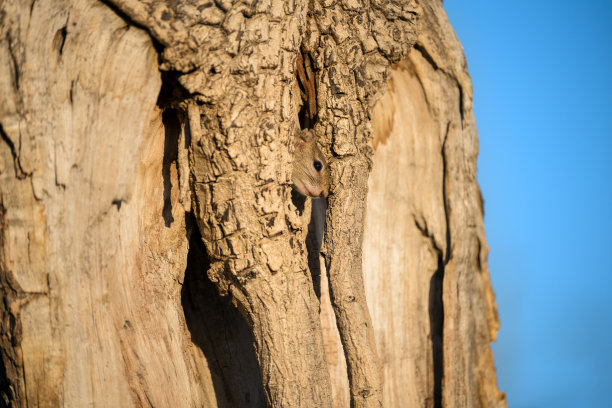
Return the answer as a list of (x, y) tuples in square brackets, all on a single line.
[(152, 252), (425, 231)]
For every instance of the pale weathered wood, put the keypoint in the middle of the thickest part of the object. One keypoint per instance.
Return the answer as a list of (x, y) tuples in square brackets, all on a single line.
[(110, 285), (93, 239), (426, 276)]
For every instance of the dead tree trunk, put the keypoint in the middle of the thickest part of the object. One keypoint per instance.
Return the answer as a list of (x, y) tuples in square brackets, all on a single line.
[(425, 246), (151, 250)]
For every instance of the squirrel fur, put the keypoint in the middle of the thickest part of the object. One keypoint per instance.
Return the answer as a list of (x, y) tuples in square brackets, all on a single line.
[(310, 170)]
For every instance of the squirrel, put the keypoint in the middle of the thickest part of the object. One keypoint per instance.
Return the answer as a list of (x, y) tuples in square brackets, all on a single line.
[(310, 169)]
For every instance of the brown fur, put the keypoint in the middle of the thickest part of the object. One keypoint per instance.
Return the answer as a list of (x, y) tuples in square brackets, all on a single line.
[(306, 179)]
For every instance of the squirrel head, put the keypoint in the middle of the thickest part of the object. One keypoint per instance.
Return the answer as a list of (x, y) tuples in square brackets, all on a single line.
[(310, 170)]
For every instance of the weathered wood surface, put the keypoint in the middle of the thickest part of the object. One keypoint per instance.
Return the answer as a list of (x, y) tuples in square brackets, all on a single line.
[(426, 276), (93, 239), (425, 252), (105, 298)]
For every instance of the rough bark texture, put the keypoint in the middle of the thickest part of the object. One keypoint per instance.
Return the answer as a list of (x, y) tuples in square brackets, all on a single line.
[(239, 61), (130, 199), (352, 57)]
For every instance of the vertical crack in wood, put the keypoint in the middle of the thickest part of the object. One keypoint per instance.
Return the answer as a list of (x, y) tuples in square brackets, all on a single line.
[(436, 290), (6, 395), (461, 107), (172, 129), (438, 284), (436, 321), (19, 172), (308, 89), (447, 255)]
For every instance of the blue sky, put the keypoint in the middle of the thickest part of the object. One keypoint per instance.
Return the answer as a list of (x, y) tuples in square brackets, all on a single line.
[(542, 74)]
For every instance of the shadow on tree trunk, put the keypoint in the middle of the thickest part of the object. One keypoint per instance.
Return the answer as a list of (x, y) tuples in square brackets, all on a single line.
[(5, 387), (172, 127), (436, 322), (220, 331)]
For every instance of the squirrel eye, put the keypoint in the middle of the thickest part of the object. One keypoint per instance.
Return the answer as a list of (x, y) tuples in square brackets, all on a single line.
[(317, 165)]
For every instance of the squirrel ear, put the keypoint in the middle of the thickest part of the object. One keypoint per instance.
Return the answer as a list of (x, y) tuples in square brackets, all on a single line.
[(306, 135)]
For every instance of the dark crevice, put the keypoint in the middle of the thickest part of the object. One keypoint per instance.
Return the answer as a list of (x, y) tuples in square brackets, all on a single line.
[(5, 384), (436, 292), (299, 201), (170, 94), (460, 102), (6, 396), (305, 77), (32, 7), (426, 55), (444, 192), (15, 66), (10, 335), (436, 322), (220, 331), (313, 258), (19, 173), (171, 90), (478, 251), (314, 240), (436, 314), (172, 129), (60, 39)]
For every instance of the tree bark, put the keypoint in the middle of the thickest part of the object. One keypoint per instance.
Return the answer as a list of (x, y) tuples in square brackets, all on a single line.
[(149, 234), (425, 231)]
